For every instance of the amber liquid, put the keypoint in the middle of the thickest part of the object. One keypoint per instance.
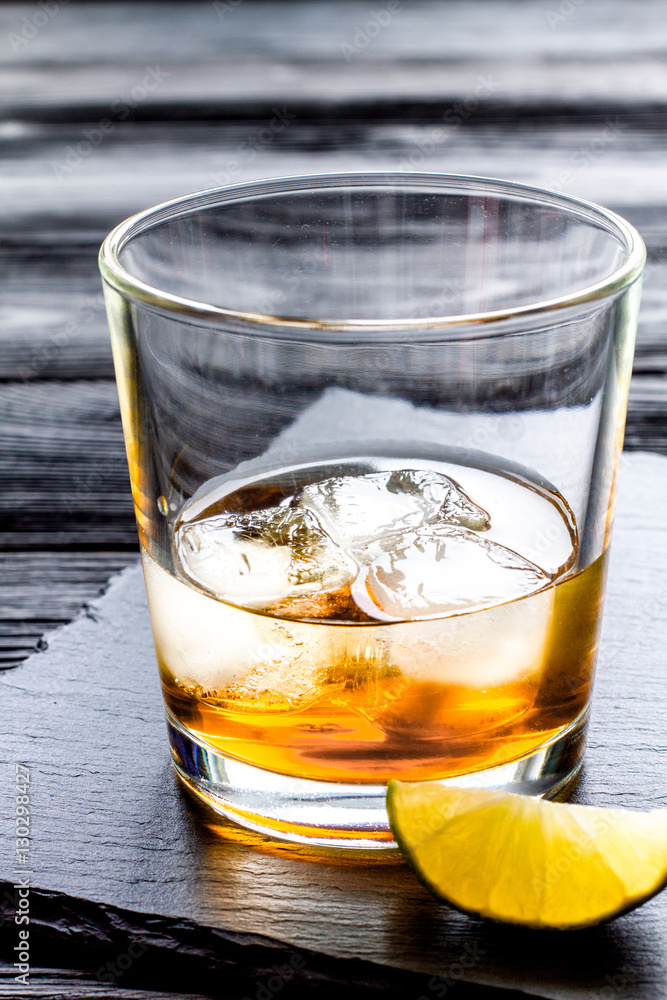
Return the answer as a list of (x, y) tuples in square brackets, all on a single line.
[(361, 701)]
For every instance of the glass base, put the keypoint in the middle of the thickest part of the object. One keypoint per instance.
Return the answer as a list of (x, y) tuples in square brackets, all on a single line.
[(331, 814)]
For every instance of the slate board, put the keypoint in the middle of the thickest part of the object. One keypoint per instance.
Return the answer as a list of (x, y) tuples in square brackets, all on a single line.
[(121, 855)]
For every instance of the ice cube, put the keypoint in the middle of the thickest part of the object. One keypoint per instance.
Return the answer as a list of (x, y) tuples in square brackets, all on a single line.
[(441, 569), (261, 558), (204, 642), (273, 686), (498, 646), (220, 653), (356, 509)]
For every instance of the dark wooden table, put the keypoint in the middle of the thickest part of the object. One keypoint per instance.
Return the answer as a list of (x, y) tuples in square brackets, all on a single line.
[(111, 107)]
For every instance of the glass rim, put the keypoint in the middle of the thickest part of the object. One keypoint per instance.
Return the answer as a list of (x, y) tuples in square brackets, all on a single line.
[(132, 287)]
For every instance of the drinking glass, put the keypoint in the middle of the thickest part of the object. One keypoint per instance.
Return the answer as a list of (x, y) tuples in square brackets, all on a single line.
[(373, 424)]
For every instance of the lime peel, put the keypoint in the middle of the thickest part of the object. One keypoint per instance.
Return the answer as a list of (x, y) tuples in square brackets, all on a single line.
[(523, 860)]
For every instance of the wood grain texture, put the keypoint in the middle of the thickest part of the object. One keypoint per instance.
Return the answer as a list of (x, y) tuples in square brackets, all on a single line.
[(320, 54), (43, 589), (69, 484), (57, 195), (119, 854), (59, 984), (303, 30)]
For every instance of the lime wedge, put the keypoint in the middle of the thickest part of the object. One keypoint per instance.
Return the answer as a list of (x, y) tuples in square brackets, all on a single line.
[(526, 861)]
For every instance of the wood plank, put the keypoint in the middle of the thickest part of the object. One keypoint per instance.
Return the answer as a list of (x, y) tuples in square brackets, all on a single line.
[(411, 89), (31, 580), (53, 324), (311, 30), (67, 481), (647, 415), (55, 195), (65, 984), (128, 858), (604, 54), (651, 349), (41, 590)]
